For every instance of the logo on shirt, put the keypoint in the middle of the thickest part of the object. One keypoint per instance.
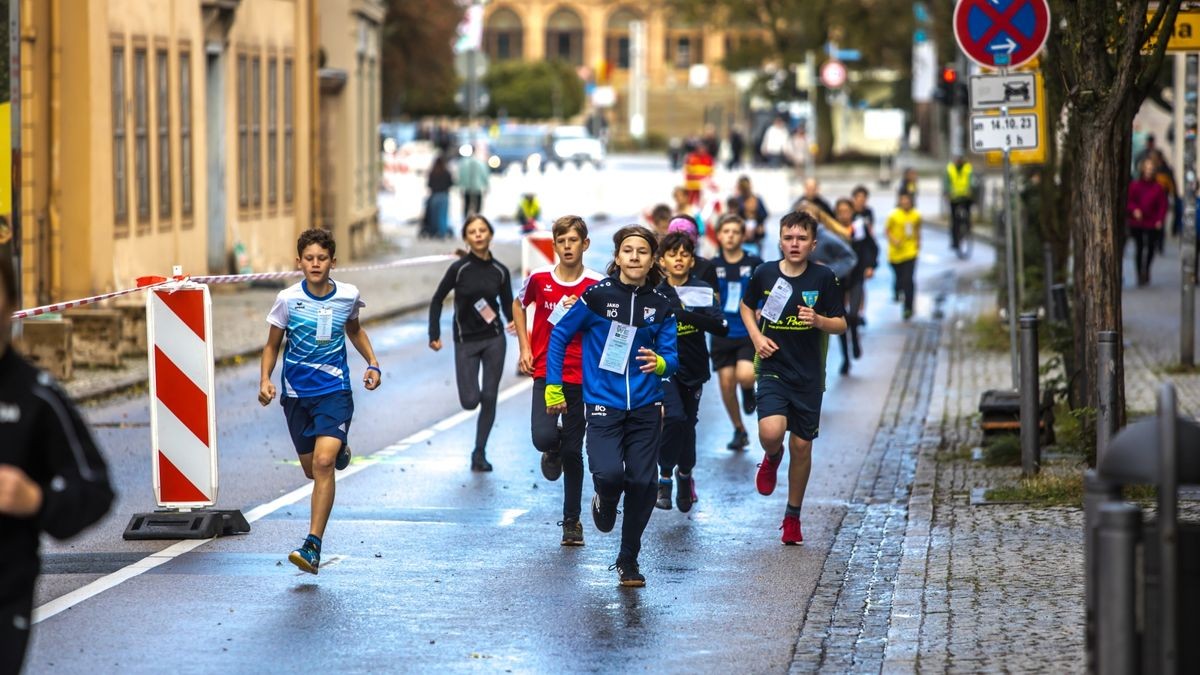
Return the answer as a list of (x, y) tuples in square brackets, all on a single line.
[(720, 272), (599, 411), (810, 297), (9, 413), (648, 314), (745, 271), (299, 305), (548, 289)]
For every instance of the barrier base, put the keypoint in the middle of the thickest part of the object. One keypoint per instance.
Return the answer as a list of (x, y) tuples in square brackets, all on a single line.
[(198, 524)]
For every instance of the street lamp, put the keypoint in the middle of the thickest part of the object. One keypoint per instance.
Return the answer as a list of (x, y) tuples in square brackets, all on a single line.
[(474, 38)]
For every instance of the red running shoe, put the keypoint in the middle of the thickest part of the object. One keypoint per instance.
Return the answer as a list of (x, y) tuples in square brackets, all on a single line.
[(766, 478), (791, 530)]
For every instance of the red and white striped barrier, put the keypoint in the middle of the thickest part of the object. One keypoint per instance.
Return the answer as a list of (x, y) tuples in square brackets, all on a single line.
[(183, 425), (537, 250)]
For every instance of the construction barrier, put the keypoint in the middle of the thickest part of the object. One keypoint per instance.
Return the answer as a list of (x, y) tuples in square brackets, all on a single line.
[(537, 250)]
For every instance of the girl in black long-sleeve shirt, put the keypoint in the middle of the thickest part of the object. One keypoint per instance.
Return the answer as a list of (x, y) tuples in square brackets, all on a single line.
[(482, 290)]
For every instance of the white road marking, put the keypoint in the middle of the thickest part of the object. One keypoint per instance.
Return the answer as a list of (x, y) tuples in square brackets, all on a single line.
[(510, 516), (65, 602)]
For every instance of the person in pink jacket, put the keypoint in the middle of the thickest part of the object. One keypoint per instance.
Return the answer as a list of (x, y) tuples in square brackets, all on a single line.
[(1145, 210)]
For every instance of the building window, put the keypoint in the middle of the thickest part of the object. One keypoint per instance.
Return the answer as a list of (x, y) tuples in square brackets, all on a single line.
[(163, 101), (564, 37), (243, 135), (141, 135), (684, 51), (289, 143), (256, 131), (272, 131), (120, 169), (185, 134), (503, 35)]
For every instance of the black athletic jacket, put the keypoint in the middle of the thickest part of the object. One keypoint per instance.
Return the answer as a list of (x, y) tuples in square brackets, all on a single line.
[(692, 324), (472, 278), (42, 434)]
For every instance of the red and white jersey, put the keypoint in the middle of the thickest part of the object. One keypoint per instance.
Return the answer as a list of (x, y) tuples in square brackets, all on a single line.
[(545, 292)]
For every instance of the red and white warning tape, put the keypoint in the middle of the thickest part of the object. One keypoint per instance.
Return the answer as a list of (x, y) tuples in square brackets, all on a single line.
[(224, 279)]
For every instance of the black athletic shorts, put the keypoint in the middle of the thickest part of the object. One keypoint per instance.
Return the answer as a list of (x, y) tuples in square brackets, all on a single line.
[(802, 408), (726, 352)]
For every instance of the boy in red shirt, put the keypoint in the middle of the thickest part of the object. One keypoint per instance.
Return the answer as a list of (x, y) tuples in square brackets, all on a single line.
[(552, 290)]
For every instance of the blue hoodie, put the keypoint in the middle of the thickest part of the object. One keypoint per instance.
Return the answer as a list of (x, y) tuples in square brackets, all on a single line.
[(601, 305)]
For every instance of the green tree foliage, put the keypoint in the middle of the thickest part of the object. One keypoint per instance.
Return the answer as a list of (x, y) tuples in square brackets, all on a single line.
[(418, 57), (539, 90)]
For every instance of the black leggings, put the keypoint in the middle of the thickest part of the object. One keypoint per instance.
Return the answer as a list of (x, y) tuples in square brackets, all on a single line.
[(15, 618), (904, 282), (854, 299), (678, 444), (567, 441), (468, 357), (1145, 241)]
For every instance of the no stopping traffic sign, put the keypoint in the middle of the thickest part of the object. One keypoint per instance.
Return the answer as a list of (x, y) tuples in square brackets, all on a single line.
[(1001, 33)]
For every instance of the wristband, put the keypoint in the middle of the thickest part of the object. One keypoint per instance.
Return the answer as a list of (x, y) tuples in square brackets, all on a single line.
[(660, 365), (376, 369), (554, 395)]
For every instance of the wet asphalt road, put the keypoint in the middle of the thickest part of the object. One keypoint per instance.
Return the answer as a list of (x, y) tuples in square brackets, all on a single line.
[(427, 566)]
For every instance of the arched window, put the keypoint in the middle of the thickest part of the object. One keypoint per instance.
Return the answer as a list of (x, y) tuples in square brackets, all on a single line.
[(684, 44), (564, 37), (616, 39), (503, 35)]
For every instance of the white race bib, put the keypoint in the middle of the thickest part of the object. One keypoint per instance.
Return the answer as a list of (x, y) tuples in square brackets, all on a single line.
[(560, 310), (781, 292), (617, 346), (485, 310), (733, 297), (695, 296), (324, 325)]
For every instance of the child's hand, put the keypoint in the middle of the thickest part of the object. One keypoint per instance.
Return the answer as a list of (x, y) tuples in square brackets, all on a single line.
[(807, 316), (525, 363), (765, 346), (372, 379), (649, 360), (511, 328), (435, 345), (266, 393), (569, 300)]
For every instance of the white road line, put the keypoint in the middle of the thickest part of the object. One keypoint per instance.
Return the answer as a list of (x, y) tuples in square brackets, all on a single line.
[(65, 602)]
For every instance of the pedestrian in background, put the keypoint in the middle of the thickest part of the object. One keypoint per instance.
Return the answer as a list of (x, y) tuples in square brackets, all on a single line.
[(774, 143), (753, 212), (737, 147), (798, 152), (482, 290), (473, 177), (628, 347), (317, 316), (52, 477), (866, 256), (958, 185), (1145, 211), (908, 184), (439, 182), (904, 244)]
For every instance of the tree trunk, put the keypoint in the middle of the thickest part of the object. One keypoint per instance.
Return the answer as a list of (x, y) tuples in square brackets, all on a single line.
[(824, 125)]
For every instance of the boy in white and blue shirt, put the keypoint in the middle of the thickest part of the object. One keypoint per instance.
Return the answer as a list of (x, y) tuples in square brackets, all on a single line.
[(316, 316)]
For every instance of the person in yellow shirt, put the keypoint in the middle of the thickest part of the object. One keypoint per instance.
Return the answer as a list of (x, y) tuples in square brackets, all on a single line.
[(904, 243)]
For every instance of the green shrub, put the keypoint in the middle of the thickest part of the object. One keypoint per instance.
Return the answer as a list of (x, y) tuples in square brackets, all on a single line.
[(534, 90)]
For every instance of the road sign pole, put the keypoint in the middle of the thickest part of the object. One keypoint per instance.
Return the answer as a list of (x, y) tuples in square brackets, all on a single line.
[(1187, 324), (1011, 272)]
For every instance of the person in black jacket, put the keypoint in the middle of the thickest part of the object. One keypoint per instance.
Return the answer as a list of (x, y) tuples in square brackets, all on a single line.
[(482, 290), (52, 478), (697, 311), (862, 240)]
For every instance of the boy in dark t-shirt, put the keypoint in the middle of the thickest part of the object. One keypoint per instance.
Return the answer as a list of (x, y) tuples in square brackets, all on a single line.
[(802, 305)]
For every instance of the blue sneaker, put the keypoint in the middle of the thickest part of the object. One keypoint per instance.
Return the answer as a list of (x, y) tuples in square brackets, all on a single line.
[(343, 457), (308, 556)]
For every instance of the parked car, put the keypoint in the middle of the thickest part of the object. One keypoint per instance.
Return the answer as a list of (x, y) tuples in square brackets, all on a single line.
[(402, 151), (575, 144), (518, 146)]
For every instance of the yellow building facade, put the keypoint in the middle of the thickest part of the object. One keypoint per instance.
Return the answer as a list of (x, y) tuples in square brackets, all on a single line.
[(164, 132)]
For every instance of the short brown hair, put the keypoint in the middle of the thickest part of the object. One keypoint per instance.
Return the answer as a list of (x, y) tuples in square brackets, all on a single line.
[(316, 236), (802, 219), (731, 218), (567, 223)]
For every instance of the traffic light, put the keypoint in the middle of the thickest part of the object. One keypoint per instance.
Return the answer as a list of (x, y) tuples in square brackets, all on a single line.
[(950, 90)]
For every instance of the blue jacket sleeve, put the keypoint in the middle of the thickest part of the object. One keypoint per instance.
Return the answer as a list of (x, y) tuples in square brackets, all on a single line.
[(568, 326), (665, 346)]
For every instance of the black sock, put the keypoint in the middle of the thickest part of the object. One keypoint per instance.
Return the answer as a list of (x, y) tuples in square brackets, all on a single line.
[(792, 511), (314, 540)]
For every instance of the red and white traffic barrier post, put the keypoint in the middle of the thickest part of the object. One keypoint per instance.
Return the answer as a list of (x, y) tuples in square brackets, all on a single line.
[(183, 423)]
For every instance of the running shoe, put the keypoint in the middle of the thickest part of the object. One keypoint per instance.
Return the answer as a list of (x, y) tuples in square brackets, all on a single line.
[(551, 465), (686, 495), (604, 515), (749, 403), (572, 532), (740, 440), (768, 474), (664, 494), (791, 531), (628, 573), (307, 557), (479, 461), (908, 314), (343, 458)]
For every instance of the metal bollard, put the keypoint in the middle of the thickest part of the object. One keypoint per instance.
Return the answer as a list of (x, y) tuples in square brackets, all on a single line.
[(1116, 617), (1168, 493), (1031, 451), (1106, 390), (1062, 312), (1096, 493)]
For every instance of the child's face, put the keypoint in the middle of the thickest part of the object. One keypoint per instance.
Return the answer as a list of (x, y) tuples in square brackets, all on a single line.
[(569, 247), (315, 262), (906, 202), (731, 235), (677, 263), (478, 236), (860, 200), (797, 243), (845, 213), (634, 258)]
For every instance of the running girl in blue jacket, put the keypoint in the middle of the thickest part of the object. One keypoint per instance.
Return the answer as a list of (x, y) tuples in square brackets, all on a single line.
[(628, 333)]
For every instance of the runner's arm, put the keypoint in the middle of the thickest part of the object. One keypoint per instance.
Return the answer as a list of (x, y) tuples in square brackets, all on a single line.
[(358, 337), (78, 494), (439, 296), (270, 354)]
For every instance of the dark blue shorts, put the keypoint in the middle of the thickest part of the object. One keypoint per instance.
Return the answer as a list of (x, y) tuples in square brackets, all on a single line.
[(802, 408), (308, 418)]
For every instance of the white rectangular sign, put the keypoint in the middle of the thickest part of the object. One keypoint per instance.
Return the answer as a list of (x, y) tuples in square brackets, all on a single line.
[(1013, 132), (1015, 90)]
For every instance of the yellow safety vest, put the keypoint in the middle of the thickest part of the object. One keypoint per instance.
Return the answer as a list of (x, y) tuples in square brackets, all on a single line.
[(960, 181)]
